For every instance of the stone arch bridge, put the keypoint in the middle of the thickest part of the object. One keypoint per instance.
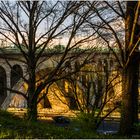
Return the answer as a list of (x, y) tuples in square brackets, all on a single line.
[(13, 64)]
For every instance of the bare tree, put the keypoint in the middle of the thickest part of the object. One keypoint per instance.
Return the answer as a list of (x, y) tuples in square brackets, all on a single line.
[(38, 24), (119, 28), (92, 91)]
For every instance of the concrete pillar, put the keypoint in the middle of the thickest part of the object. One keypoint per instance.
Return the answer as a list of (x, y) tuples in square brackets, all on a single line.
[(24, 69), (8, 74)]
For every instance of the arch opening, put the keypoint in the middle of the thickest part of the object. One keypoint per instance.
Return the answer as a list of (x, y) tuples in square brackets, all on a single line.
[(3, 83), (16, 74)]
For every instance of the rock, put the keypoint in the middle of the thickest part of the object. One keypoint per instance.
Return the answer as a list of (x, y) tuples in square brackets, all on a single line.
[(61, 120)]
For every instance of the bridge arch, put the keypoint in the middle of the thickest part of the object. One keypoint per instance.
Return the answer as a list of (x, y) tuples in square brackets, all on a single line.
[(3, 83), (16, 74)]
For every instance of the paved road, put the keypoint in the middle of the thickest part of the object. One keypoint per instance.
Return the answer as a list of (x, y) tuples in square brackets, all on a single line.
[(109, 126)]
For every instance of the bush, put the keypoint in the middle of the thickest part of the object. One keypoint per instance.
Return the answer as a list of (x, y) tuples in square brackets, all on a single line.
[(87, 120)]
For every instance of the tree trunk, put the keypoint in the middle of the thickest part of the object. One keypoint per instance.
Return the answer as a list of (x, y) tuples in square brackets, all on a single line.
[(129, 112), (32, 110), (32, 98), (130, 74)]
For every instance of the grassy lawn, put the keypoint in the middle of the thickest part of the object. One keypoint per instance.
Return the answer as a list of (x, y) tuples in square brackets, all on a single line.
[(14, 127)]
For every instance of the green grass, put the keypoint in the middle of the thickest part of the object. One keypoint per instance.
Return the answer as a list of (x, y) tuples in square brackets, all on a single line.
[(12, 127)]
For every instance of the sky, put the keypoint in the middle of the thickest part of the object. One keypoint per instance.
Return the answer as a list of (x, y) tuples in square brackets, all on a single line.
[(47, 24)]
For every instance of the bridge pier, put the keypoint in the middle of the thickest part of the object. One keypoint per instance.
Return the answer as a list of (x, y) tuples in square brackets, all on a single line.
[(8, 72), (8, 82)]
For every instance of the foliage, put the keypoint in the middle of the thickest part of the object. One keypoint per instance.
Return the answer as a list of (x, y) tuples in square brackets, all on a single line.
[(87, 120), (59, 48), (137, 128)]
